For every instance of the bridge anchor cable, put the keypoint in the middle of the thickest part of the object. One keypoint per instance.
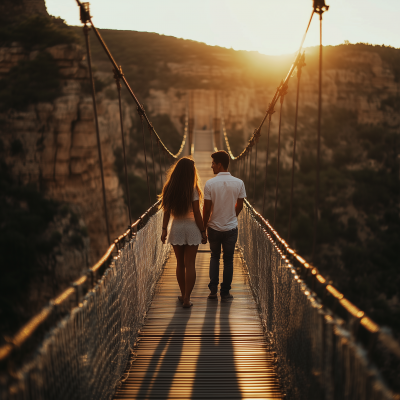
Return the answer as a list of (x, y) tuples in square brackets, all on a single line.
[(319, 7)]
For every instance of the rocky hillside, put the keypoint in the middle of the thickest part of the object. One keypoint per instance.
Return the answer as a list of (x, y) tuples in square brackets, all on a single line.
[(52, 220)]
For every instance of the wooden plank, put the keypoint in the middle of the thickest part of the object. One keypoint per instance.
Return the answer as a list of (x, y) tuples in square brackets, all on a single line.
[(214, 350)]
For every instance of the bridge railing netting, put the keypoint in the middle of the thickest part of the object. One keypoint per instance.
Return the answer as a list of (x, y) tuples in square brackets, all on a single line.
[(86, 354), (317, 357)]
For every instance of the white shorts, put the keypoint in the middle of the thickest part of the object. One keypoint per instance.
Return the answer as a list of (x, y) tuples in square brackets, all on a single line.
[(184, 231)]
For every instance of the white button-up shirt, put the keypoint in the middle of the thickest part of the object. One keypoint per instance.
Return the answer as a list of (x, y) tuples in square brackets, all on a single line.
[(223, 190)]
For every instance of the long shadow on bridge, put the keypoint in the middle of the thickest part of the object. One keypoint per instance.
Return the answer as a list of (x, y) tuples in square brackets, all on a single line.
[(214, 350), (163, 365), (216, 360)]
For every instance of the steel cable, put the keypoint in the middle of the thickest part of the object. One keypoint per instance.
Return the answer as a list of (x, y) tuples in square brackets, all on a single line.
[(316, 207), (144, 151), (159, 158), (86, 33), (248, 177), (282, 97), (300, 65), (152, 157), (255, 173), (117, 81), (249, 170), (266, 164), (245, 167)]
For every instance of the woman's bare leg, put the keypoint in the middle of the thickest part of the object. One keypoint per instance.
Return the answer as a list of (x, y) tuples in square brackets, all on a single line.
[(180, 267), (189, 261)]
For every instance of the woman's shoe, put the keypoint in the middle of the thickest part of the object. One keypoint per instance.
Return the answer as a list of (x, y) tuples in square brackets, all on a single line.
[(190, 304)]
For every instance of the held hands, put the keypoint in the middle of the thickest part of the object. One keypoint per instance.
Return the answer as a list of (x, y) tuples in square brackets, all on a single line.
[(203, 237), (164, 235)]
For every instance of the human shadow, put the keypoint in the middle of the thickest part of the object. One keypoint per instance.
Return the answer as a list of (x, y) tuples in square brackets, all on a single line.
[(216, 374), (159, 375)]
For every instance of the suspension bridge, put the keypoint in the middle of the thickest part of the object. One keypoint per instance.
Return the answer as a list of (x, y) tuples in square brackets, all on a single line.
[(120, 332)]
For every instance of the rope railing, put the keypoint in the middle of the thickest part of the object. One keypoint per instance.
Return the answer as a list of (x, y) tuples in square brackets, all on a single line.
[(79, 345), (327, 348), (72, 296)]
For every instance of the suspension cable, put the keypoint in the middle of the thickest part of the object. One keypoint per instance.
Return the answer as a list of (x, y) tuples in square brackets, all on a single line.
[(255, 175), (249, 171), (118, 82), (245, 167), (282, 94), (300, 65), (150, 127), (140, 111), (86, 32), (160, 165), (320, 8), (165, 169), (257, 137), (266, 160)]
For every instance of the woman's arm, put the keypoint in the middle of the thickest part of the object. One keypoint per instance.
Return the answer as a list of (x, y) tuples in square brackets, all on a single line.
[(199, 220), (167, 214)]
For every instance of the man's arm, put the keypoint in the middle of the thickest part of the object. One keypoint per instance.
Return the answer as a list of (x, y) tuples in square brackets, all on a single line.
[(239, 206), (206, 212)]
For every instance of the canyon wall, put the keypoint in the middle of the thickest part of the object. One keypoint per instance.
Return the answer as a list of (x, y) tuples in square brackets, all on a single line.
[(361, 89), (60, 155)]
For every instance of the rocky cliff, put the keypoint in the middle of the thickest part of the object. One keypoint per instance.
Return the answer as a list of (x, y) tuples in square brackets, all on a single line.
[(59, 144)]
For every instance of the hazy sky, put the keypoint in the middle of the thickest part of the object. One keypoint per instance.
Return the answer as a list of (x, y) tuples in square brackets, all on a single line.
[(267, 26)]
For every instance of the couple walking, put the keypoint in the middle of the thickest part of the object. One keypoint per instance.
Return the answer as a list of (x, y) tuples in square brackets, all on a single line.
[(223, 200)]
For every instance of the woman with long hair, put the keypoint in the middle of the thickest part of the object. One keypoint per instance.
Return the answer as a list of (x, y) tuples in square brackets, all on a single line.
[(181, 197)]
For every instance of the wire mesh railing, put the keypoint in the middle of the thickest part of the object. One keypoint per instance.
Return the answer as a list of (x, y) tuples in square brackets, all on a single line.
[(321, 354), (85, 354)]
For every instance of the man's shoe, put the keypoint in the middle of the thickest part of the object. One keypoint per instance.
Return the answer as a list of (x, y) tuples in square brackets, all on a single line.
[(226, 296), (213, 294)]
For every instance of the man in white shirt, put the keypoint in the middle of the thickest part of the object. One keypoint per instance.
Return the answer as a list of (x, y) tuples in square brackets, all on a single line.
[(223, 201)]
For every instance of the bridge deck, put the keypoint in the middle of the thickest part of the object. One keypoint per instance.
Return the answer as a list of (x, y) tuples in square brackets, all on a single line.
[(215, 350)]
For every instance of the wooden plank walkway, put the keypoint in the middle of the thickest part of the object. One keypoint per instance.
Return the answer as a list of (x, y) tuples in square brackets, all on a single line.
[(214, 350)]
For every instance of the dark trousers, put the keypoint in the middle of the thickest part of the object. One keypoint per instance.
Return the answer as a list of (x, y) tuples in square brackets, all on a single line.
[(227, 240)]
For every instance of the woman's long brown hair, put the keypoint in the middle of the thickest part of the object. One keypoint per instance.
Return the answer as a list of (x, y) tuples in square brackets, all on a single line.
[(177, 193)]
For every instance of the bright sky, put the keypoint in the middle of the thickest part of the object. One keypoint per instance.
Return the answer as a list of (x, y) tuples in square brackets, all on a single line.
[(268, 26)]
